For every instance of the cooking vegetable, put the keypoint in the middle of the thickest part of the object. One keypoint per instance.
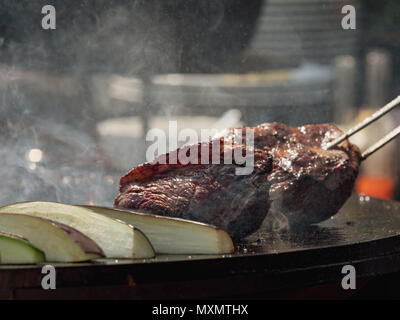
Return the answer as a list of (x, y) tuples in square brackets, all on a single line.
[(17, 250), (58, 242), (173, 235), (116, 238)]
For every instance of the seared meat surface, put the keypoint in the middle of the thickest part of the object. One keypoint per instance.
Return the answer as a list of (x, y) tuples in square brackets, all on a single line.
[(307, 184), (294, 179), (209, 193)]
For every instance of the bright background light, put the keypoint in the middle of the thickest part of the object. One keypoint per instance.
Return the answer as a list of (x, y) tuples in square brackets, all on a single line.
[(35, 155)]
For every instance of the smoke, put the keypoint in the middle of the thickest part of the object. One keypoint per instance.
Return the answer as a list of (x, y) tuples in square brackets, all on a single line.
[(48, 101)]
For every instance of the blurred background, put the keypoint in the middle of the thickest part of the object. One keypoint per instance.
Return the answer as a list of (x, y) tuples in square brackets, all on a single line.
[(76, 102)]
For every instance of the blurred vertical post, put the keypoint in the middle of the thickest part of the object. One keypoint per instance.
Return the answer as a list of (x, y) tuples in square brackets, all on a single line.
[(344, 89), (378, 173), (378, 77)]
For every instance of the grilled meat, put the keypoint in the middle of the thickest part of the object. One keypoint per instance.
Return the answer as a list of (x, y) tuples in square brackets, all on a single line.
[(209, 193), (307, 183), (293, 178)]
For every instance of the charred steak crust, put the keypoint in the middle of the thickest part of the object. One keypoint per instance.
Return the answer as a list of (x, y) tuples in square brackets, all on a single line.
[(307, 184), (293, 176), (210, 193)]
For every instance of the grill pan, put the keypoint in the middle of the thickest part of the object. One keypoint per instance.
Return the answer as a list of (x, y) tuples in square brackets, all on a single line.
[(365, 233)]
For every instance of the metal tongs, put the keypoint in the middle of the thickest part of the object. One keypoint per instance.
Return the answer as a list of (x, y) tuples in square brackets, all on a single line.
[(389, 137)]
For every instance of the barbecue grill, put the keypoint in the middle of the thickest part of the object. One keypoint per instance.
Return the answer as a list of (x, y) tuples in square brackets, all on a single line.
[(299, 264), (77, 104)]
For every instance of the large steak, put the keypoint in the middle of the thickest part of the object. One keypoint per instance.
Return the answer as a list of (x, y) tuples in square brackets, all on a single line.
[(294, 180)]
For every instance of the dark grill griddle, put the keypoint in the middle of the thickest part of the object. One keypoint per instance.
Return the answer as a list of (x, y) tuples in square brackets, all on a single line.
[(365, 233)]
